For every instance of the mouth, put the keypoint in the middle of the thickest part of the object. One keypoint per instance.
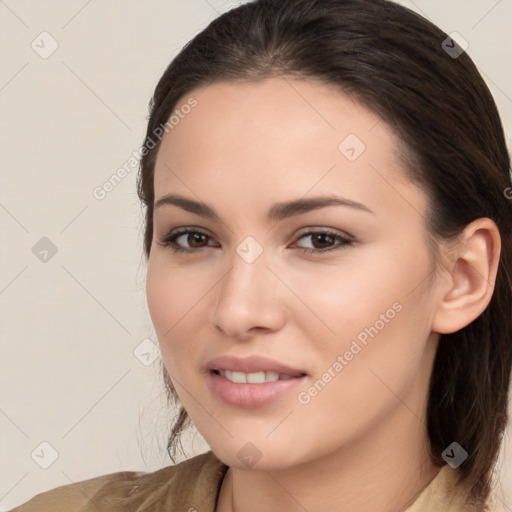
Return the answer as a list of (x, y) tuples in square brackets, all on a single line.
[(255, 377), (257, 368), (252, 382)]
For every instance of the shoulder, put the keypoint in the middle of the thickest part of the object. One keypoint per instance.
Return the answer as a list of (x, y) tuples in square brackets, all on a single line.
[(193, 483)]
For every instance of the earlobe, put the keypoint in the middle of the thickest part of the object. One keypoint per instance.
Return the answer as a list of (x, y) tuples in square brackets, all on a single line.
[(471, 264)]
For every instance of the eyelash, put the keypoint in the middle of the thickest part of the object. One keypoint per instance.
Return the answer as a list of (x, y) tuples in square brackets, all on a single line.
[(170, 241)]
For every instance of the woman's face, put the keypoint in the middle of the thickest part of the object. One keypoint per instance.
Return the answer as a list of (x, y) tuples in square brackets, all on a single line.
[(337, 297)]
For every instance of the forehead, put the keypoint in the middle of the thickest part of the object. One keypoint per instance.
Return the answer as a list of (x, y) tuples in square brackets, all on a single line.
[(273, 137), (272, 115)]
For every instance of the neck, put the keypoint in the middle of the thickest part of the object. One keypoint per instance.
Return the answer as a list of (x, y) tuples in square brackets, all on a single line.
[(384, 470)]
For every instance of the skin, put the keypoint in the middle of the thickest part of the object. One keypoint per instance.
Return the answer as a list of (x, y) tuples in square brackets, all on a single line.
[(361, 443)]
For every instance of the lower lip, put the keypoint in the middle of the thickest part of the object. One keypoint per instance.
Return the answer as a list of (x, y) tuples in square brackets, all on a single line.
[(249, 396)]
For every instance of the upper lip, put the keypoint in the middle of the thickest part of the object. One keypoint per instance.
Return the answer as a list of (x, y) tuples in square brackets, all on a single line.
[(252, 364)]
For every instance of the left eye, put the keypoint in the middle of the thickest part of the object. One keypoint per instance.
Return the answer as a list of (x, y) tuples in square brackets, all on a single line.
[(322, 241)]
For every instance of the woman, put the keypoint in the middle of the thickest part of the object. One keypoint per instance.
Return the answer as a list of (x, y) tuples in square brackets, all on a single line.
[(328, 234)]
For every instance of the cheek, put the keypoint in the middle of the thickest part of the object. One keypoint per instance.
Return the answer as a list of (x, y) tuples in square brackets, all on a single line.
[(382, 329), (377, 314), (174, 297), (345, 299), (172, 292)]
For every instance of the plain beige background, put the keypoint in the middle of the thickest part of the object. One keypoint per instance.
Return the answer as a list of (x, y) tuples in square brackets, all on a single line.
[(80, 387)]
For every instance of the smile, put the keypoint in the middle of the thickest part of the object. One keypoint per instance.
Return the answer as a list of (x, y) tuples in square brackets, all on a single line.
[(253, 390), (253, 377)]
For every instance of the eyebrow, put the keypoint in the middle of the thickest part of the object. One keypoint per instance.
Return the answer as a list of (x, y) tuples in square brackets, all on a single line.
[(277, 212)]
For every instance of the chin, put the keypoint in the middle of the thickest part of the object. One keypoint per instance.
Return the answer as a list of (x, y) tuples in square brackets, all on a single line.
[(255, 456)]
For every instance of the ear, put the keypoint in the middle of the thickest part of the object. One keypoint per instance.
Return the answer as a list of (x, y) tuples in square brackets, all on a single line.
[(467, 283)]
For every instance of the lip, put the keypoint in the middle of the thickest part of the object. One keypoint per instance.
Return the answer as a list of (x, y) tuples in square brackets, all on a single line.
[(250, 396), (252, 364)]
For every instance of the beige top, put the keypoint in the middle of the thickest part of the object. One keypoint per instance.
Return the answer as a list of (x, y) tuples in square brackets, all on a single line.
[(192, 486)]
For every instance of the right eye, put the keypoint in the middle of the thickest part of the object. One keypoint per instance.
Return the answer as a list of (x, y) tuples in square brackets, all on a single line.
[(193, 237)]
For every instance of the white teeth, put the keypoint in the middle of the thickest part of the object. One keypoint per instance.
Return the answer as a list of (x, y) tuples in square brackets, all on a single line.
[(256, 378), (253, 378), (239, 377), (271, 376)]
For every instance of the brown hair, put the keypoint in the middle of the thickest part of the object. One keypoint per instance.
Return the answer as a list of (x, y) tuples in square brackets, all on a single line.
[(393, 61)]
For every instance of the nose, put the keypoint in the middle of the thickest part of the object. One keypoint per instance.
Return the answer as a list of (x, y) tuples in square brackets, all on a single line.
[(249, 300)]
